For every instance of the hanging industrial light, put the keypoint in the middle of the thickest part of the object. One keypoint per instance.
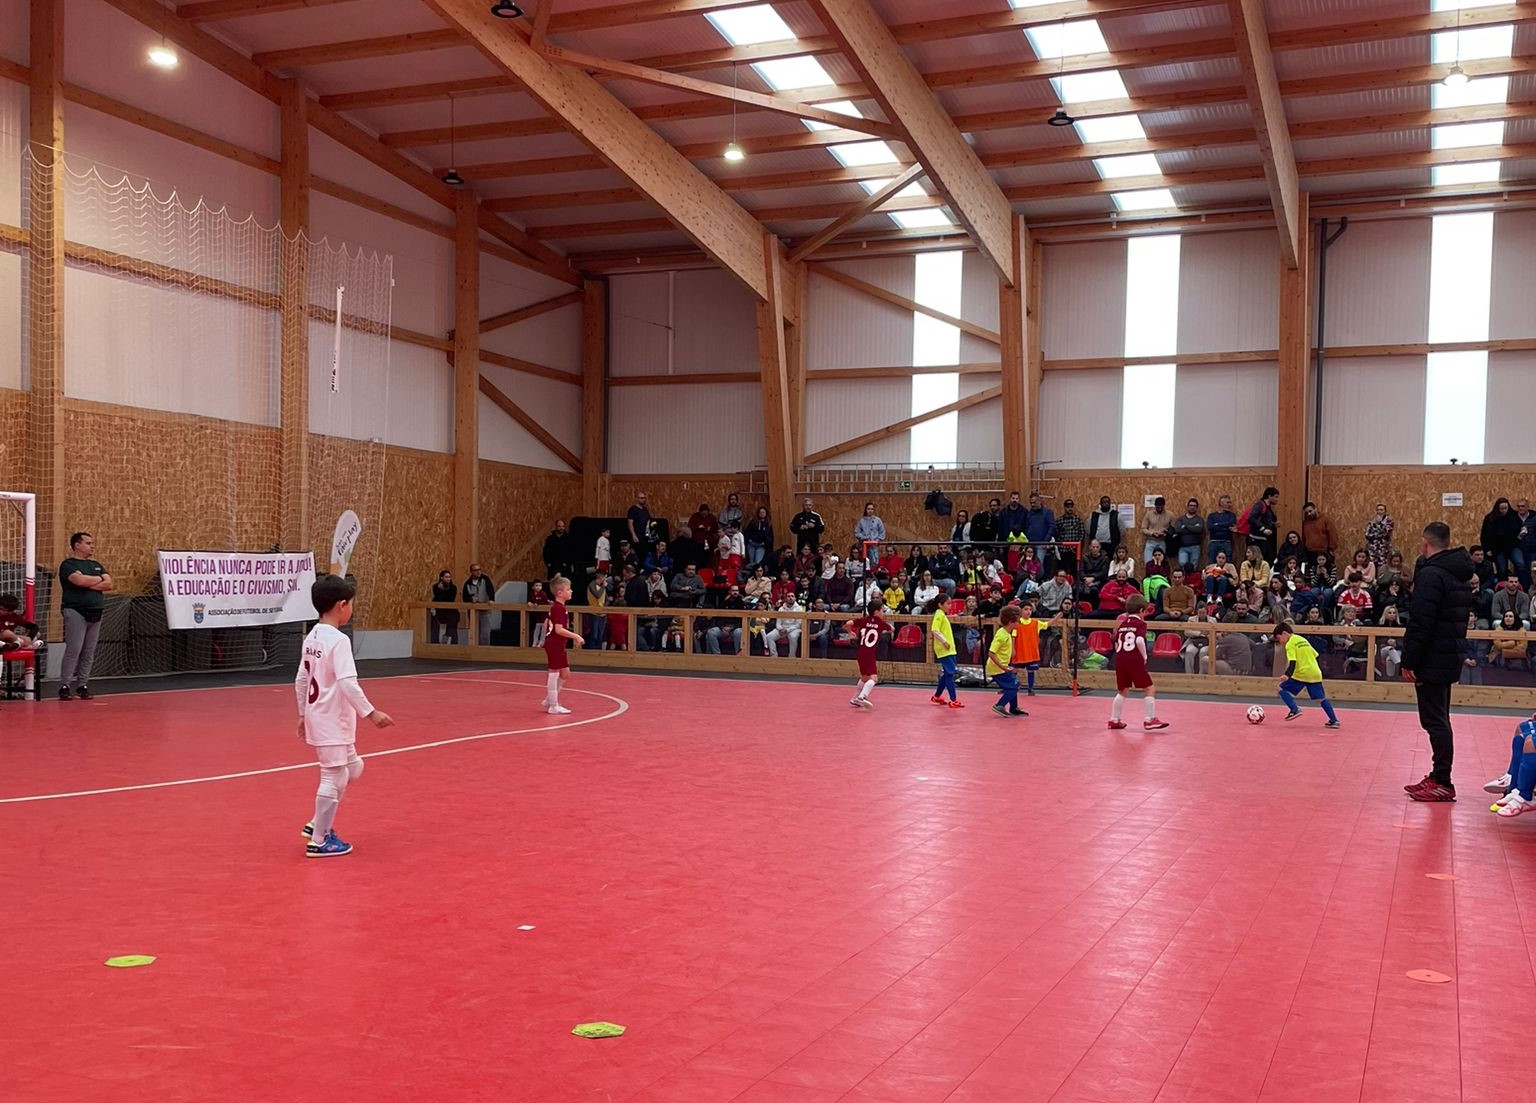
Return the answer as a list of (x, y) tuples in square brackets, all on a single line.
[(1061, 118), (1457, 76), (505, 9), (733, 152), (452, 177)]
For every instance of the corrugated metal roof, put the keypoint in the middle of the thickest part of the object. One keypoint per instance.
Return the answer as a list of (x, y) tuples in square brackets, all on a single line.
[(1183, 76), (328, 23), (1372, 144), (1159, 26), (1352, 57)]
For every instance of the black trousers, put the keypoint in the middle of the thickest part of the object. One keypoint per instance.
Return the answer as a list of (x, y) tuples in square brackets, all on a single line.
[(1435, 718)]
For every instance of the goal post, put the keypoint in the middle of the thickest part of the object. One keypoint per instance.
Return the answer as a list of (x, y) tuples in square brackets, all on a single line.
[(22, 570)]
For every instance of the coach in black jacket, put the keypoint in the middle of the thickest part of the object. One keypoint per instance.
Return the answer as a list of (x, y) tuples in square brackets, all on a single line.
[(1437, 625)]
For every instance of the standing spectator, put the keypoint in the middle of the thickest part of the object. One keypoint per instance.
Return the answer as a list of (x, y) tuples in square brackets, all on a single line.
[(1104, 524), (807, 526), (705, 526), (637, 591), (1186, 532), (641, 532), (732, 513), (445, 622), (1317, 533), (985, 525), (960, 535), (1154, 529), (686, 551), (597, 623), (1378, 536), (1264, 522), (1527, 545), (1219, 527), (1070, 529), (1432, 651), (1012, 518), (83, 582), (731, 537), (759, 536), (479, 591), (1039, 523), (1500, 536), (871, 530), (559, 552)]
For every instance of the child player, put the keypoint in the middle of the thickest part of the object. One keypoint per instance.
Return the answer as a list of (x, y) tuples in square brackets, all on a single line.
[(1026, 641), (1516, 789), (330, 701), (866, 632), (1000, 663), (1301, 672), (1131, 665), (943, 650), (557, 631)]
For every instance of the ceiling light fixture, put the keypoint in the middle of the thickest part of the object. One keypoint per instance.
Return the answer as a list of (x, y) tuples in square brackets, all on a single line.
[(505, 9), (452, 177), (733, 152), (1456, 77), (1061, 118), (161, 56)]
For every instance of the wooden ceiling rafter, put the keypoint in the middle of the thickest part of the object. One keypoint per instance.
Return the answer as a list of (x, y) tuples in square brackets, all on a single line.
[(1257, 62)]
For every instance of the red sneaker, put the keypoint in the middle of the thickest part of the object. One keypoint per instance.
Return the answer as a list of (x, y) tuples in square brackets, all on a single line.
[(1420, 784), (1154, 724), (1434, 793), (1116, 725), (957, 704), (936, 699)]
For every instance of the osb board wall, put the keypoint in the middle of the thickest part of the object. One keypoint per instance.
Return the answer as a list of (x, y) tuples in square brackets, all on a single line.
[(1243, 484), (517, 507), (13, 439), (1412, 496)]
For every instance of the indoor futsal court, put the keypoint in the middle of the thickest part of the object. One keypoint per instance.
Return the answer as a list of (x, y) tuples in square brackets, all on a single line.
[(767, 551), (903, 904)]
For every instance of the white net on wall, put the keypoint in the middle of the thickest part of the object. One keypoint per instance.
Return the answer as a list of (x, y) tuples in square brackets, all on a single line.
[(170, 424)]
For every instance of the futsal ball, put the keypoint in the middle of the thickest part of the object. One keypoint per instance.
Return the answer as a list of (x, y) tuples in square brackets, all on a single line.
[(1255, 714)]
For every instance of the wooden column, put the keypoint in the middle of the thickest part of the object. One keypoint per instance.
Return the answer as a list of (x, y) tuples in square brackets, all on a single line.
[(466, 380), (1032, 296), (794, 352), (594, 394), (774, 364), (45, 288), (293, 309), (1295, 370), (1013, 325)]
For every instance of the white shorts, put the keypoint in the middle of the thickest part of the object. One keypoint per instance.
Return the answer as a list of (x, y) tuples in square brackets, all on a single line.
[(337, 754)]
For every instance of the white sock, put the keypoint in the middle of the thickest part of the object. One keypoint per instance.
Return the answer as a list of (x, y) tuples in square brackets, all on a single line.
[(325, 816), (552, 693), (1117, 707), (1149, 707), (865, 688)]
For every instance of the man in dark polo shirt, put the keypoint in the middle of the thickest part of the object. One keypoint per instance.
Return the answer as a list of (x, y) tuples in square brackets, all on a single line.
[(83, 582)]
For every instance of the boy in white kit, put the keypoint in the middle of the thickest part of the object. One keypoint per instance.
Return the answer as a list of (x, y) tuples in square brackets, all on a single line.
[(330, 701)]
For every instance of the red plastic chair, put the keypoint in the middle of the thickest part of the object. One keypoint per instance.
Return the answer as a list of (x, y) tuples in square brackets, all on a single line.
[(1101, 641), (955, 607), (707, 575), (908, 635), (1085, 607), (12, 683), (1168, 645)]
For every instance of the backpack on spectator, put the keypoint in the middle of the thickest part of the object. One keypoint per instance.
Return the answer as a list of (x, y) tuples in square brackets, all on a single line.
[(1242, 520)]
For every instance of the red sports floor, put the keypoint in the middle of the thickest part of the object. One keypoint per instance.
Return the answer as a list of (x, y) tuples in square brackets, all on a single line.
[(783, 899)]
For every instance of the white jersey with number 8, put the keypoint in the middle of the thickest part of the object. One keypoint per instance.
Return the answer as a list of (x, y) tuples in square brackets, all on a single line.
[(330, 700)]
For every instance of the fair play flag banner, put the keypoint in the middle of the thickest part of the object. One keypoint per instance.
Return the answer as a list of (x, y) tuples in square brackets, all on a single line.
[(348, 529), (207, 589)]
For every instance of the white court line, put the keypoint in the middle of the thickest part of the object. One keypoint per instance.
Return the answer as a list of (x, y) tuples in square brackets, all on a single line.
[(623, 707)]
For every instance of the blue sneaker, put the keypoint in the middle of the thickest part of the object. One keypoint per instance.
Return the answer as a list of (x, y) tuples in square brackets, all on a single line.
[(331, 848)]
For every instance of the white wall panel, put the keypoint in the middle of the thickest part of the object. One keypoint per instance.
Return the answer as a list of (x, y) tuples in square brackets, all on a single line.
[(979, 290), (1224, 415), (556, 405), (10, 321), (981, 427), (685, 428), (13, 124), (1511, 428), (1080, 418), (1373, 410), (1378, 284), (552, 339), (639, 324), (1229, 292), (1514, 277), (406, 400), (838, 410), (423, 262), (848, 329), (715, 319), (1083, 300)]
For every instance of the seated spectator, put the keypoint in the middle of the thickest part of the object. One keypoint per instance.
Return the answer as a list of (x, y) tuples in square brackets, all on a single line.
[(1354, 647), (655, 584), (785, 559), (1055, 594), (1291, 546), (1220, 578), (759, 588), (915, 563), (839, 590), (1277, 600), (855, 563), (971, 616), (1509, 646), (784, 587), (1361, 563), (945, 569), (925, 590), (1317, 588), (1510, 597), (704, 526), (1234, 654), (617, 627), (871, 595), (659, 559), (1095, 571), (1483, 567), (1389, 653), (722, 635), (895, 595), (1253, 568), (1123, 562), (1393, 593), (973, 574), (808, 561), (726, 565), (637, 590), (1474, 653), (1158, 565), (652, 628), (1395, 568), (687, 587), (1114, 592), (1355, 595), (820, 630), (685, 550), (626, 557), (1482, 602), (1240, 613), (1321, 642), (1196, 649), (1028, 587), (1152, 588), (1178, 599), (806, 589), (784, 628)]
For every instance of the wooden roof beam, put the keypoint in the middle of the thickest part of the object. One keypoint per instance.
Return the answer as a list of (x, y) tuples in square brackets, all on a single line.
[(532, 424), (533, 310), (952, 165), (1263, 86), (607, 196), (859, 210), (328, 53), (201, 11), (855, 443)]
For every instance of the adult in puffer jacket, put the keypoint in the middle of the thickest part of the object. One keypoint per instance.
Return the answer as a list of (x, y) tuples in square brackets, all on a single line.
[(1432, 642)]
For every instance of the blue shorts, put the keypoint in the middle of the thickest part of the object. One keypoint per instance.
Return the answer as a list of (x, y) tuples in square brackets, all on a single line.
[(1314, 690)]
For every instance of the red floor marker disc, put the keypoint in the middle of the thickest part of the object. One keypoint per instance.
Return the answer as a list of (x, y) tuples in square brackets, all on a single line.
[(1441, 876)]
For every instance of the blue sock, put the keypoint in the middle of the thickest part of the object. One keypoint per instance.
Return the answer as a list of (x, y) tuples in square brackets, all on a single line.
[(1526, 782), (1516, 752), (1328, 708), (1031, 673), (1290, 700)]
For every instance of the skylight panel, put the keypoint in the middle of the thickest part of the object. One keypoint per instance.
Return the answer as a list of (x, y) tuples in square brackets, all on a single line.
[(1468, 134), (921, 220), (1149, 199), (863, 154), (1451, 5), (1478, 172), (1055, 40), (1135, 164), (1111, 128), (1089, 87), (1474, 92), (750, 26), (792, 72), (914, 190), (1476, 42)]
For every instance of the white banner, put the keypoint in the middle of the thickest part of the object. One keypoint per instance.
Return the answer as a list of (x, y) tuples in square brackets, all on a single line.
[(348, 529), (234, 589)]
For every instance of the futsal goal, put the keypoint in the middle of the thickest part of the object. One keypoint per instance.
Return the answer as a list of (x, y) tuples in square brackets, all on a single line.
[(992, 573)]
